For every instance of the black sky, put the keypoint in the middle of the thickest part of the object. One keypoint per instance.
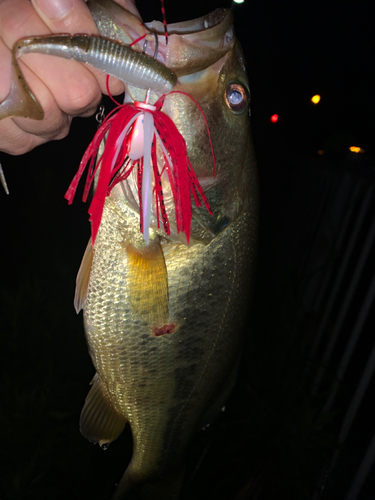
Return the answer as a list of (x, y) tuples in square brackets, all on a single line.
[(296, 49)]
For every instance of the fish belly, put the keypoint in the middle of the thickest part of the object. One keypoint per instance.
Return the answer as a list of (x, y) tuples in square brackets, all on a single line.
[(164, 385)]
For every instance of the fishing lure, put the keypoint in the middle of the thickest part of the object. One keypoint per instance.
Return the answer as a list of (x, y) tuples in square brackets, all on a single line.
[(110, 56), (113, 57), (132, 133)]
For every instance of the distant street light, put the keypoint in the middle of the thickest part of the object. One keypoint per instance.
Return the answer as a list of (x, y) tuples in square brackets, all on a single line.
[(315, 99), (356, 149)]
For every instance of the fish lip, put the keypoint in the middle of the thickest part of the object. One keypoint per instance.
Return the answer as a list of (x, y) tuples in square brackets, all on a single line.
[(209, 37), (197, 25)]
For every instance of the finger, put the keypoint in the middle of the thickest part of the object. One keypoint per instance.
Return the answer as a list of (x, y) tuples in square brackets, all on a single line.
[(73, 16), (5, 70), (65, 16), (73, 86), (14, 140)]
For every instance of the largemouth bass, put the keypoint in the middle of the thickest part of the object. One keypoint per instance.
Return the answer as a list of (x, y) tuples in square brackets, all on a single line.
[(165, 321)]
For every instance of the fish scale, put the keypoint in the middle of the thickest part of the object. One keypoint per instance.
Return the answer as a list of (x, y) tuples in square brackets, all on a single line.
[(162, 375)]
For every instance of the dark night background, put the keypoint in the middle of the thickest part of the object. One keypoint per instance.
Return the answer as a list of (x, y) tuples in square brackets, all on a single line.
[(271, 442)]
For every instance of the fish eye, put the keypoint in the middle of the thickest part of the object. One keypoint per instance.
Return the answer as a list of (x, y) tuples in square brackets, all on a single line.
[(236, 97)]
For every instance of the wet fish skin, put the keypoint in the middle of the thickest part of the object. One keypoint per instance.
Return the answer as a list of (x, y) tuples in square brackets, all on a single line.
[(166, 360)]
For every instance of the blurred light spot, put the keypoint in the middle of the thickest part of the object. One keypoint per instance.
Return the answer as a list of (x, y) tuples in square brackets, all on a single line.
[(320, 152), (274, 118), (238, 1), (356, 149), (315, 99)]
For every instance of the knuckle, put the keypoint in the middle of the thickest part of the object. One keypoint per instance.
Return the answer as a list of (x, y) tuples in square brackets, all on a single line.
[(56, 126), (61, 131), (80, 98), (89, 112), (24, 135)]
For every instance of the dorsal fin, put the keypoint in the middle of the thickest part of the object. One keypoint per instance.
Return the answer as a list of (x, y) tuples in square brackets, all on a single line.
[(148, 282)]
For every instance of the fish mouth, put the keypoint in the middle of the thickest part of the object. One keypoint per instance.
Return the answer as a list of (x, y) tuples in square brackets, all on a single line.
[(194, 52), (196, 44), (192, 45), (204, 23)]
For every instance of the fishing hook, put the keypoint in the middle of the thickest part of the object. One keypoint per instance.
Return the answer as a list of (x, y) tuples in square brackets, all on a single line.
[(156, 45), (100, 115)]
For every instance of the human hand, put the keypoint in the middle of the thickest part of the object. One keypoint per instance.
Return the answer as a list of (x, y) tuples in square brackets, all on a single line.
[(64, 88)]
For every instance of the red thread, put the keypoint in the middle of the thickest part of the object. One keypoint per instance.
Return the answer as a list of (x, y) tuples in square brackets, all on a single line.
[(138, 39), (115, 166), (164, 21), (109, 92), (162, 98), (107, 79)]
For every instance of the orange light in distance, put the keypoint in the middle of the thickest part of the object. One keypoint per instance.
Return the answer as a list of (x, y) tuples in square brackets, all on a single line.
[(356, 149), (315, 99)]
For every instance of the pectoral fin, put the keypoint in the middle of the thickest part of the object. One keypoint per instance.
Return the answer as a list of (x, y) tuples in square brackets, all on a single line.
[(148, 283), (83, 276), (100, 422)]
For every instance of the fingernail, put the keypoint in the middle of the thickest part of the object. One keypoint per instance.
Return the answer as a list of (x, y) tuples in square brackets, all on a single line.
[(54, 9)]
